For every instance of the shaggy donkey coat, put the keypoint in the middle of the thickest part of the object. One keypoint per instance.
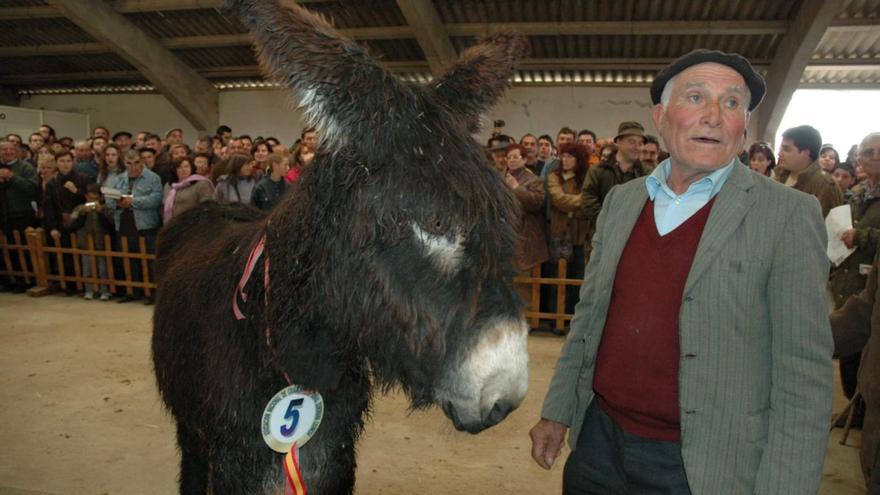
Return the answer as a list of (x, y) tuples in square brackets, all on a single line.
[(389, 264)]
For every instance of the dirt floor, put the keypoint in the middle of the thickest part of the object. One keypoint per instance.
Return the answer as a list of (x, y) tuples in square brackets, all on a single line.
[(80, 415)]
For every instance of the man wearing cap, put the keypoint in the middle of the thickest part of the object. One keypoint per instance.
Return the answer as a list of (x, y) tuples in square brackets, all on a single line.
[(122, 139), (699, 357), (622, 168)]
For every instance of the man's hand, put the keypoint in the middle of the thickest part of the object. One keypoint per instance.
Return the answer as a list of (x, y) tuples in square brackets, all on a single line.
[(70, 186), (124, 202), (547, 437), (5, 173), (848, 238), (511, 181), (56, 234)]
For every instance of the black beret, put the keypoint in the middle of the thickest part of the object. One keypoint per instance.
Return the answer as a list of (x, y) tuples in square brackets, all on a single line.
[(121, 133), (735, 61)]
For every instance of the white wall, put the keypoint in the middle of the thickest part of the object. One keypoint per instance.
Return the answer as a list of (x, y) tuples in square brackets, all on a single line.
[(539, 110)]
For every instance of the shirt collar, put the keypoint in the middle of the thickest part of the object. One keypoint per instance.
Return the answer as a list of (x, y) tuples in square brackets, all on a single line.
[(713, 182)]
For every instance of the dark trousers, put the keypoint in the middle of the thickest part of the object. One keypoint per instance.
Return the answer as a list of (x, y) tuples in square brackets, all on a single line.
[(137, 271), (17, 264), (610, 461)]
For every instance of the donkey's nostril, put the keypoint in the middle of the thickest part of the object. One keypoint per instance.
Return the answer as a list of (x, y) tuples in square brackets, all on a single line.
[(499, 411)]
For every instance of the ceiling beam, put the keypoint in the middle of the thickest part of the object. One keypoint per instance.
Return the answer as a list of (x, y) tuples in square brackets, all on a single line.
[(430, 32), (637, 28), (790, 61), (193, 95)]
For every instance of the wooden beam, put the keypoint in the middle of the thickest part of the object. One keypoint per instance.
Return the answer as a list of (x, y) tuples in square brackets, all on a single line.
[(637, 28), (790, 61), (193, 95), (430, 32)]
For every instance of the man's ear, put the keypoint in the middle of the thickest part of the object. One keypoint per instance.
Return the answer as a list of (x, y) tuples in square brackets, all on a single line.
[(659, 116)]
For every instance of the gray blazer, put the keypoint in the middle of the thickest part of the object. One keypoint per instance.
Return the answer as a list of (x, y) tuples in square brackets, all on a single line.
[(755, 378)]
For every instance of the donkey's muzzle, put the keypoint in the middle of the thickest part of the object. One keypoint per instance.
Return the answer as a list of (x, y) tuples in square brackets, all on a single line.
[(495, 415)]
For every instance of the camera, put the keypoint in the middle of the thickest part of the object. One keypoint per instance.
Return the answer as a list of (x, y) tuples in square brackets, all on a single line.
[(92, 204)]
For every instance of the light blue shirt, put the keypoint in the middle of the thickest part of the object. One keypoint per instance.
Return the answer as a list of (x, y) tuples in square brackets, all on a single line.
[(670, 209)]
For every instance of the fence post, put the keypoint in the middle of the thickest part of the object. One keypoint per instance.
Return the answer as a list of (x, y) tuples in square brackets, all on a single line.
[(561, 293), (39, 261)]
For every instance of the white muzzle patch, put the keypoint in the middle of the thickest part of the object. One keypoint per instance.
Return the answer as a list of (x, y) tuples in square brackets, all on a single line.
[(446, 252)]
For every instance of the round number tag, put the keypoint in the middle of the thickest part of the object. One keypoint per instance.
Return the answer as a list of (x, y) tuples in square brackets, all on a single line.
[(293, 415)]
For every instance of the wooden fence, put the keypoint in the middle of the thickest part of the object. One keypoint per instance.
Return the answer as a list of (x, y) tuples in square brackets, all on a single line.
[(44, 262), (44, 265)]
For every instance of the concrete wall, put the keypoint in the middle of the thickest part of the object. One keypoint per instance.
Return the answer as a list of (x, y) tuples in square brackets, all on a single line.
[(538, 110)]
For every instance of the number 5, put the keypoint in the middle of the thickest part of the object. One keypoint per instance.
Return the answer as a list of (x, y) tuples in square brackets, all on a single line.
[(293, 415)]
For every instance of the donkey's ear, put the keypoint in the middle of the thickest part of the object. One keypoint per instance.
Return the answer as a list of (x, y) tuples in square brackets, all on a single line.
[(481, 75), (341, 88)]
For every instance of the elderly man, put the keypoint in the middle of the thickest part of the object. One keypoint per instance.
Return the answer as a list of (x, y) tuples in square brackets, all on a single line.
[(19, 190), (699, 357), (85, 160)]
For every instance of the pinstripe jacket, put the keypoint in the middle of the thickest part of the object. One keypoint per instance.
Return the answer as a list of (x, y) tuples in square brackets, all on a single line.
[(755, 376)]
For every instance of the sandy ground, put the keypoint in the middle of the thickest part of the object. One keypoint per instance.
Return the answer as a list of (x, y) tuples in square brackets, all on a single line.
[(80, 415)]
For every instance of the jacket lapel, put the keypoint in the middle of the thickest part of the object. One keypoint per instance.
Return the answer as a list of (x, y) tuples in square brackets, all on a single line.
[(627, 209), (731, 205)]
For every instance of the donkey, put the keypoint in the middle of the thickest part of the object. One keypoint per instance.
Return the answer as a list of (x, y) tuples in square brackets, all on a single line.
[(388, 265)]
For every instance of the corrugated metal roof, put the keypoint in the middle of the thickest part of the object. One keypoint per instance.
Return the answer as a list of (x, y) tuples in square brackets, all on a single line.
[(210, 41)]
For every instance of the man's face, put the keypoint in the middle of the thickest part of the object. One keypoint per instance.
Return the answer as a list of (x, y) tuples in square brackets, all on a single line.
[(587, 141), (149, 159), (246, 145), (8, 152), (65, 164), (515, 160), (140, 139), (123, 142), (704, 120), (564, 138), (545, 149), (791, 158), (531, 146), (203, 146), (869, 158), (310, 140), (174, 137), (44, 131), (154, 144), (227, 136), (629, 148), (134, 166), (83, 151), (649, 154), (178, 153), (499, 160), (36, 142), (235, 146), (14, 138), (843, 178), (100, 131), (98, 144)]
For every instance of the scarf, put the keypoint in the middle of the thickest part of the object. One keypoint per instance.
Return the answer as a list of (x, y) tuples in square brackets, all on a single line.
[(169, 202)]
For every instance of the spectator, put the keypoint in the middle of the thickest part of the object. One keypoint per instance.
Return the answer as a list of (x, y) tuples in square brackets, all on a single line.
[(164, 170), (140, 139), (564, 136), (246, 143), (296, 164), (93, 220), (136, 213), (203, 145), (48, 133), (202, 164), (155, 142), (650, 153), (64, 192), (85, 160), (260, 151), (177, 152), (309, 138), (174, 136), (35, 142), (19, 193), (799, 164), (828, 158), (568, 223), (102, 132), (762, 159), (608, 150), (14, 138), (188, 191), (587, 138), (498, 146), (225, 133), (622, 168), (122, 140), (529, 192), (111, 166), (269, 190), (845, 176), (530, 143), (237, 184), (66, 142), (545, 150)]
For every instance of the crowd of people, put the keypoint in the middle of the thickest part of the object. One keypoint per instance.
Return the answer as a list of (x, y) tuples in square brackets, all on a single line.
[(127, 186)]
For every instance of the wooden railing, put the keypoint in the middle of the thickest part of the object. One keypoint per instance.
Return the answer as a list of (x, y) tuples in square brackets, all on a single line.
[(534, 281), (35, 252)]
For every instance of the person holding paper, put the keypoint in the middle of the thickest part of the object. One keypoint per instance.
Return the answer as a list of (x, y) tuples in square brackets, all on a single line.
[(849, 278)]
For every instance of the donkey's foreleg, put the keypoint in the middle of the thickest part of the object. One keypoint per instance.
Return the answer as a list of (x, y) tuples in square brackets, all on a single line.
[(193, 462)]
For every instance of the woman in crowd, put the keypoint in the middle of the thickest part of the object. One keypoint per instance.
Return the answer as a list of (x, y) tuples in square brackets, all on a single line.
[(260, 151), (296, 164), (237, 185), (829, 159), (269, 190), (110, 166), (188, 191), (529, 192), (762, 159), (568, 223)]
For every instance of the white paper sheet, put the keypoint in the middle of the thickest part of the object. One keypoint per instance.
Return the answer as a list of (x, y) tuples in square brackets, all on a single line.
[(838, 221)]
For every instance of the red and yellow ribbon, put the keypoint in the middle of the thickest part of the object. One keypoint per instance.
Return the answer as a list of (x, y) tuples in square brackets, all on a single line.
[(295, 484)]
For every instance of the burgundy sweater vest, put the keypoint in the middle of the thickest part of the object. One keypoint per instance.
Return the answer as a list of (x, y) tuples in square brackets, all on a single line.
[(636, 377)]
